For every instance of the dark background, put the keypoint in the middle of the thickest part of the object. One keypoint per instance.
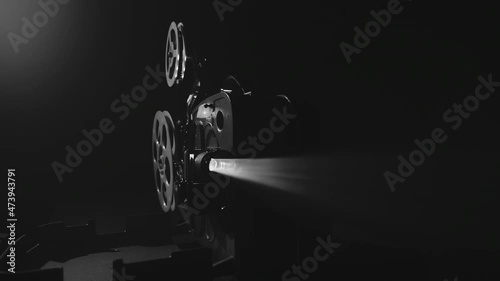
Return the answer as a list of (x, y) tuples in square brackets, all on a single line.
[(370, 111)]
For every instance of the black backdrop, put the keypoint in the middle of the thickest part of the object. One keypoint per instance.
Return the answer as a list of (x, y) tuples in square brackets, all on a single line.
[(65, 79)]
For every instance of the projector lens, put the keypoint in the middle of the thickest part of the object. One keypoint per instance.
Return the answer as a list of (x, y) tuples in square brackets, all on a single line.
[(221, 165)]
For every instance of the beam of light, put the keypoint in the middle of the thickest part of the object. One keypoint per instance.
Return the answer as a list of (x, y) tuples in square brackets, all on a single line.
[(297, 175)]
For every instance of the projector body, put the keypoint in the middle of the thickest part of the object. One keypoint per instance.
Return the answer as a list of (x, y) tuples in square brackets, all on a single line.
[(217, 125)]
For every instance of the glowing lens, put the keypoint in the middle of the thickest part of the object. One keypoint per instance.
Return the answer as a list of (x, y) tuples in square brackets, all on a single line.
[(222, 165)]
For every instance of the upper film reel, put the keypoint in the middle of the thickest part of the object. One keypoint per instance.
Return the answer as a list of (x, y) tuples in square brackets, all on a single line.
[(175, 54)]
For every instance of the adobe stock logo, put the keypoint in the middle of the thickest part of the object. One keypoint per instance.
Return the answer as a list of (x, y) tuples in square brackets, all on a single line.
[(122, 107), (221, 7), (122, 276), (266, 135), (454, 117), (310, 264), (29, 30), (372, 29)]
